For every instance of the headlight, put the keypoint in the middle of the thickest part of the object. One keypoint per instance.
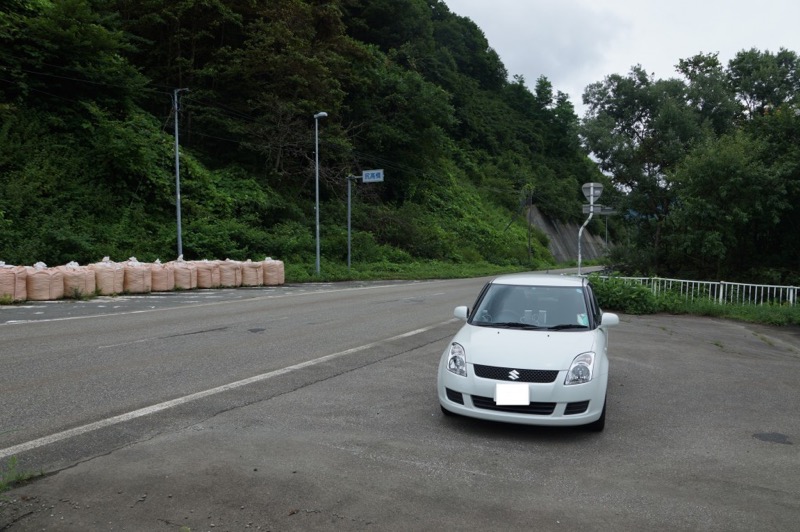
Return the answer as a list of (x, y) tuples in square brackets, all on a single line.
[(581, 369), (456, 360)]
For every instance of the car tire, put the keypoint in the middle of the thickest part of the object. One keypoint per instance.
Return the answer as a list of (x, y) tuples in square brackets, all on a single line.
[(446, 412), (600, 424)]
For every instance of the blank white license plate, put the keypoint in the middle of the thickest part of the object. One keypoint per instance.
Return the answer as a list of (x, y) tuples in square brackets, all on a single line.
[(509, 394)]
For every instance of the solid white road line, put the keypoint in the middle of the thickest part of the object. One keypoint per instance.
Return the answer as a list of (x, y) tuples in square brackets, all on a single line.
[(210, 304), (53, 438)]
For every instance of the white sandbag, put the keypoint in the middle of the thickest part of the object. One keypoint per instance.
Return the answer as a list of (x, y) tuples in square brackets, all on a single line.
[(252, 273), (13, 282), (163, 277), (184, 273), (109, 277), (230, 273), (273, 272), (78, 280), (43, 283), (207, 273), (138, 277)]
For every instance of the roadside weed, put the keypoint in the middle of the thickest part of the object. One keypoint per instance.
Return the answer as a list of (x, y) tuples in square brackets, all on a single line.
[(10, 475)]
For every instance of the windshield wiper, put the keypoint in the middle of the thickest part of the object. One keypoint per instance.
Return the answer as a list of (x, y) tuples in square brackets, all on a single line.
[(564, 326), (515, 325)]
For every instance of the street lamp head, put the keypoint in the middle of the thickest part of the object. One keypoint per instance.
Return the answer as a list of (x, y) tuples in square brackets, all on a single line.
[(321, 114)]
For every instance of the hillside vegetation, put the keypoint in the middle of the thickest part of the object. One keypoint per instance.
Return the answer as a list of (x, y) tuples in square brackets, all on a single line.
[(703, 169), (87, 143)]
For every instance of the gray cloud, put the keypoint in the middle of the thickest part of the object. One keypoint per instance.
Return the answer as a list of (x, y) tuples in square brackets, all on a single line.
[(577, 42), (565, 41)]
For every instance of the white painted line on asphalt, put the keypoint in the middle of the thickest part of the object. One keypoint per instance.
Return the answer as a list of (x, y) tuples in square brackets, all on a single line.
[(77, 431), (299, 293), (139, 341)]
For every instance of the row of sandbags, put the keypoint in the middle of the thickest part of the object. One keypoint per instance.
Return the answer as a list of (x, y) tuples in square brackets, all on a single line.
[(41, 283)]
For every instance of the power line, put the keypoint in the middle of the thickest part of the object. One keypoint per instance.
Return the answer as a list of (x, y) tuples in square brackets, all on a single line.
[(382, 161)]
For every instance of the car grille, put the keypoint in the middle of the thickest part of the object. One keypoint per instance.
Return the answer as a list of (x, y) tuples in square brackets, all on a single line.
[(576, 408), (525, 375), (538, 409), (454, 396)]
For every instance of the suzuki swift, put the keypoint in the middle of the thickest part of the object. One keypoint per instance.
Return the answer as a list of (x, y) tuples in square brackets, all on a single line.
[(533, 351)]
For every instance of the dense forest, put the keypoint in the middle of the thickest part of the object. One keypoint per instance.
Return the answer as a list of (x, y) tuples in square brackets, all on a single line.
[(703, 169)]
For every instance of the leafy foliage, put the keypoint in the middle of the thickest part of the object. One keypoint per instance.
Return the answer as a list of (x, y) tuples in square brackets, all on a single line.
[(703, 168), (88, 106), (707, 166), (616, 294), (630, 297)]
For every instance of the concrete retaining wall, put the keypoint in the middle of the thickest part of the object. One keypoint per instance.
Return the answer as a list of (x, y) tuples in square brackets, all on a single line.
[(564, 238)]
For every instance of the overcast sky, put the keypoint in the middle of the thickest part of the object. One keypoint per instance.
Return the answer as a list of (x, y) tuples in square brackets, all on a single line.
[(577, 42)]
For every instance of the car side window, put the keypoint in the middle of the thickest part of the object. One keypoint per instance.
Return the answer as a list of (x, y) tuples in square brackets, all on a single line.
[(595, 307)]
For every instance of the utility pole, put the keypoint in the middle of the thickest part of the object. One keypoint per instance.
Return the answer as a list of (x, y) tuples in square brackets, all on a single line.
[(592, 192), (175, 108), (321, 114)]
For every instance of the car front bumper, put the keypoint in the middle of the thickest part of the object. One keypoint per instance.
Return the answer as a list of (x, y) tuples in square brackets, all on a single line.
[(552, 404)]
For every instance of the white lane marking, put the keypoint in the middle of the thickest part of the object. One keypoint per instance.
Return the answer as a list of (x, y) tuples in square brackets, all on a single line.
[(299, 293), (77, 431), (141, 340)]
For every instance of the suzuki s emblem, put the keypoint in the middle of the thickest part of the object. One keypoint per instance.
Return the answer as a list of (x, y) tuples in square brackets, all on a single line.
[(513, 375)]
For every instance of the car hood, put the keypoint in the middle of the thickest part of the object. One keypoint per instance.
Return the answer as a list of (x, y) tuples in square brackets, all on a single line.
[(524, 349)]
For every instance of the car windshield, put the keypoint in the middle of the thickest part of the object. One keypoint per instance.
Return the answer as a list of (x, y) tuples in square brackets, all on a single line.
[(532, 307)]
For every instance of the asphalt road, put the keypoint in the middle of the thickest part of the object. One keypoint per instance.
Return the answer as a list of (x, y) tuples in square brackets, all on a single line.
[(314, 408)]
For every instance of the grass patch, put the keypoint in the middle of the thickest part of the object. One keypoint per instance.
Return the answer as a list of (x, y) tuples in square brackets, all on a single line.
[(79, 295), (768, 314), (631, 298), (11, 475), (413, 270)]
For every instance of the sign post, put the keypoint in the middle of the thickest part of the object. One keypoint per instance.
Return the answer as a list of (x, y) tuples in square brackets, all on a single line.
[(592, 192), (367, 176), (350, 178)]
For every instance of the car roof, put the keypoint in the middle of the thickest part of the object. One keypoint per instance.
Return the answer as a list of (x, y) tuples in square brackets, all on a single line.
[(539, 279)]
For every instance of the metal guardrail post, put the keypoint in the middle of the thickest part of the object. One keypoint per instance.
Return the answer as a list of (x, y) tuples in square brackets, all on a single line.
[(720, 292)]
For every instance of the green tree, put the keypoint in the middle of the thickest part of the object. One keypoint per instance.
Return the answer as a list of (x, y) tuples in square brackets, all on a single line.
[(729, 205), (173, 40), (85, 102), (763, 80), (639, 129), (55, 55), (711, 93)]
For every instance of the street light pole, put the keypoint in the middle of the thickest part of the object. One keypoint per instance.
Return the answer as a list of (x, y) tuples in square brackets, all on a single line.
[(175, 108), (592, 192), (321, 114), (350, 179)]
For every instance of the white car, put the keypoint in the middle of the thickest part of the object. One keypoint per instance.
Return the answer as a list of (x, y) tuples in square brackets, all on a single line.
[(532, 351)]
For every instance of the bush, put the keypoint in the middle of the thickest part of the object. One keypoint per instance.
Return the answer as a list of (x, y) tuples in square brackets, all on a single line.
[(615, 294), (632, 298)]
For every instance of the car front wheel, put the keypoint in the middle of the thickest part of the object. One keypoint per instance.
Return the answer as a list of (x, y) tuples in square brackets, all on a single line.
[(600, 424)]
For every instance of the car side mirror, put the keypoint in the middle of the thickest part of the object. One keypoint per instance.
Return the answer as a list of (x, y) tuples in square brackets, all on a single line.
[(609, 319), (461, 313)]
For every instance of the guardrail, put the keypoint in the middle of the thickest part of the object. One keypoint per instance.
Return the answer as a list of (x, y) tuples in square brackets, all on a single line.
[(721, 292)]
